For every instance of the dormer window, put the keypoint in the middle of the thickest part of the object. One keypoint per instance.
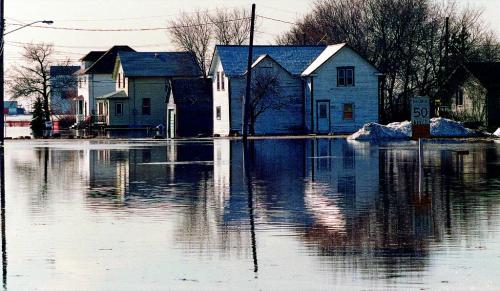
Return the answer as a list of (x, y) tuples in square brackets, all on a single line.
[(345, 76)]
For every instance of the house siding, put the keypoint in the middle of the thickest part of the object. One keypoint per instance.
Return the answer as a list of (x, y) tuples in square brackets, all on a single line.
[(153, 88), (363, 95), (221, 98)]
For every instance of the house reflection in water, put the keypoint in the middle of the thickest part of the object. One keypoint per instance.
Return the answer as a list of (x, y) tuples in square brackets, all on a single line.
[(349, 200)]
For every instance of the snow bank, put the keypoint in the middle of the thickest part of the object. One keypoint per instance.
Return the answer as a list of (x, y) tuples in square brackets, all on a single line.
[(449, 128), (374, 131), (440, 127)]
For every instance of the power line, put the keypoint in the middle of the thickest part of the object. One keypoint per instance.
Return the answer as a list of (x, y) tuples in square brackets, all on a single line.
[(133, 29), (275, 19)]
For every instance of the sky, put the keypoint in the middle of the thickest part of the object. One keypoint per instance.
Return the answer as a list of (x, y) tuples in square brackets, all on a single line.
[(119, 14)]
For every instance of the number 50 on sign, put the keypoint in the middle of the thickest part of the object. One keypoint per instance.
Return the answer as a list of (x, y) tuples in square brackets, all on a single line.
[(420, 110)]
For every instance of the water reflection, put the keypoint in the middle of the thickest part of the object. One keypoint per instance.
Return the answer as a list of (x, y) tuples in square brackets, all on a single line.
[(336, 206)]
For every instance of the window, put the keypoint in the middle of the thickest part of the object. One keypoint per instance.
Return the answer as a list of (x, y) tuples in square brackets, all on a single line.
[(218, 81), (323, 111), (123, 80), (119, 109), (146, 106), (218, 112), (348, 111), (223, 85), (460, 97), (80, 82), (119, 80), (345, 76)]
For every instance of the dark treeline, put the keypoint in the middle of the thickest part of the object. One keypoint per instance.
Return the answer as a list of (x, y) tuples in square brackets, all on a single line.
[(405, 39)]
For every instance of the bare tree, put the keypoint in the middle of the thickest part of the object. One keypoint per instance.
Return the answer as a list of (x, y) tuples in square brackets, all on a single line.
[(192, 33), (197, 32), (265, 95), (33, 79), (231, 27)]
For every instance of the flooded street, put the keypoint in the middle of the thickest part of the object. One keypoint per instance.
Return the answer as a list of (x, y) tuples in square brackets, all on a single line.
[(298, 214)]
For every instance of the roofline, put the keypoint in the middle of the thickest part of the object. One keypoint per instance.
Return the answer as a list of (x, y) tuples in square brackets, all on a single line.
[(103, 55), (344, 45), (271, 45), (266, 56)]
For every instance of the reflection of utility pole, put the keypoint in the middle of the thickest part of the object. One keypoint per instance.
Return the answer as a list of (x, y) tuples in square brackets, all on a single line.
[(247, 159), (2, 217)]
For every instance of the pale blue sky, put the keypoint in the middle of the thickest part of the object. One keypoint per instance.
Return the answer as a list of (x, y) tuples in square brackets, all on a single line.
[(146, 13)]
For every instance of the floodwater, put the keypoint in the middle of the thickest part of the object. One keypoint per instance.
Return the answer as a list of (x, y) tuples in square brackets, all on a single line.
[(316, 214)]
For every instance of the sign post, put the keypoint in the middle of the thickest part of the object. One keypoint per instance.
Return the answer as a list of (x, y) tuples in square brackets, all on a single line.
[(420, 117), (420, 128)]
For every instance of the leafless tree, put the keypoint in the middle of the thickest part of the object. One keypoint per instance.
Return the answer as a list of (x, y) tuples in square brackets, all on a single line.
[(192, 33), (231, 27), (32, 80), (198, 32), (265, 95)]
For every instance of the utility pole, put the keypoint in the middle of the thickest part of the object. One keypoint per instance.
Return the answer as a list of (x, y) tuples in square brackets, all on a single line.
[(246, 100), (2, 113), (446, 44)]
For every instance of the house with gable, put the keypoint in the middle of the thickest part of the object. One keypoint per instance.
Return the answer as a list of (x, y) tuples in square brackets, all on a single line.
[(142, 82), (342, 91), (95, 78), (228, 72), (472, 91), (328, 89)]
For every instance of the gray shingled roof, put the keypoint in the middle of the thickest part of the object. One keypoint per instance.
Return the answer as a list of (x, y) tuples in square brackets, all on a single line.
[(160, 64), (294, 59)]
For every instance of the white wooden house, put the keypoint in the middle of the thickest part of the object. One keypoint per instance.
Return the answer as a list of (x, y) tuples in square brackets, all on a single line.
[(329, 89), (341, 92), (95, 78)]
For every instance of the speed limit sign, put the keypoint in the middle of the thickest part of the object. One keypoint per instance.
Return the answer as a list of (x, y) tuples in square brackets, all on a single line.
[(420, 117)]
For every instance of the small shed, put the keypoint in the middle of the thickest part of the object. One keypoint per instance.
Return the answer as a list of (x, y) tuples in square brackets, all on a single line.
[(189, 108)]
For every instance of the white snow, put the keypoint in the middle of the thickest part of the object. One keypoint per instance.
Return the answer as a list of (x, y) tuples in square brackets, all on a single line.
[(497, 133), (440, 127)]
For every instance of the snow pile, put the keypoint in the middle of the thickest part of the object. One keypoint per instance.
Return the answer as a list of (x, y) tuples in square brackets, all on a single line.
[(440, 127), (443, 127), (374, 131), (497, 133)]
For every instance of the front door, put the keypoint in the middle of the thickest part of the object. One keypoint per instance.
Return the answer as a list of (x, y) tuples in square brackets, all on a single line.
[(171, 123), (323, 116)]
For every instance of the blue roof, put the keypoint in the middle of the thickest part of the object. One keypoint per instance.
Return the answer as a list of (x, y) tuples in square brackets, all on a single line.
[(295, 59), (160, 64)]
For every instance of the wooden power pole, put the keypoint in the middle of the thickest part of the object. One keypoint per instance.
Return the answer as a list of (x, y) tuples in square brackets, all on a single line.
[(246, 100), (2, 49)]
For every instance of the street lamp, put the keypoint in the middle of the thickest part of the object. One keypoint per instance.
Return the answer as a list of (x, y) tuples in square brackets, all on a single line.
[(30, 24), (2, 34)]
